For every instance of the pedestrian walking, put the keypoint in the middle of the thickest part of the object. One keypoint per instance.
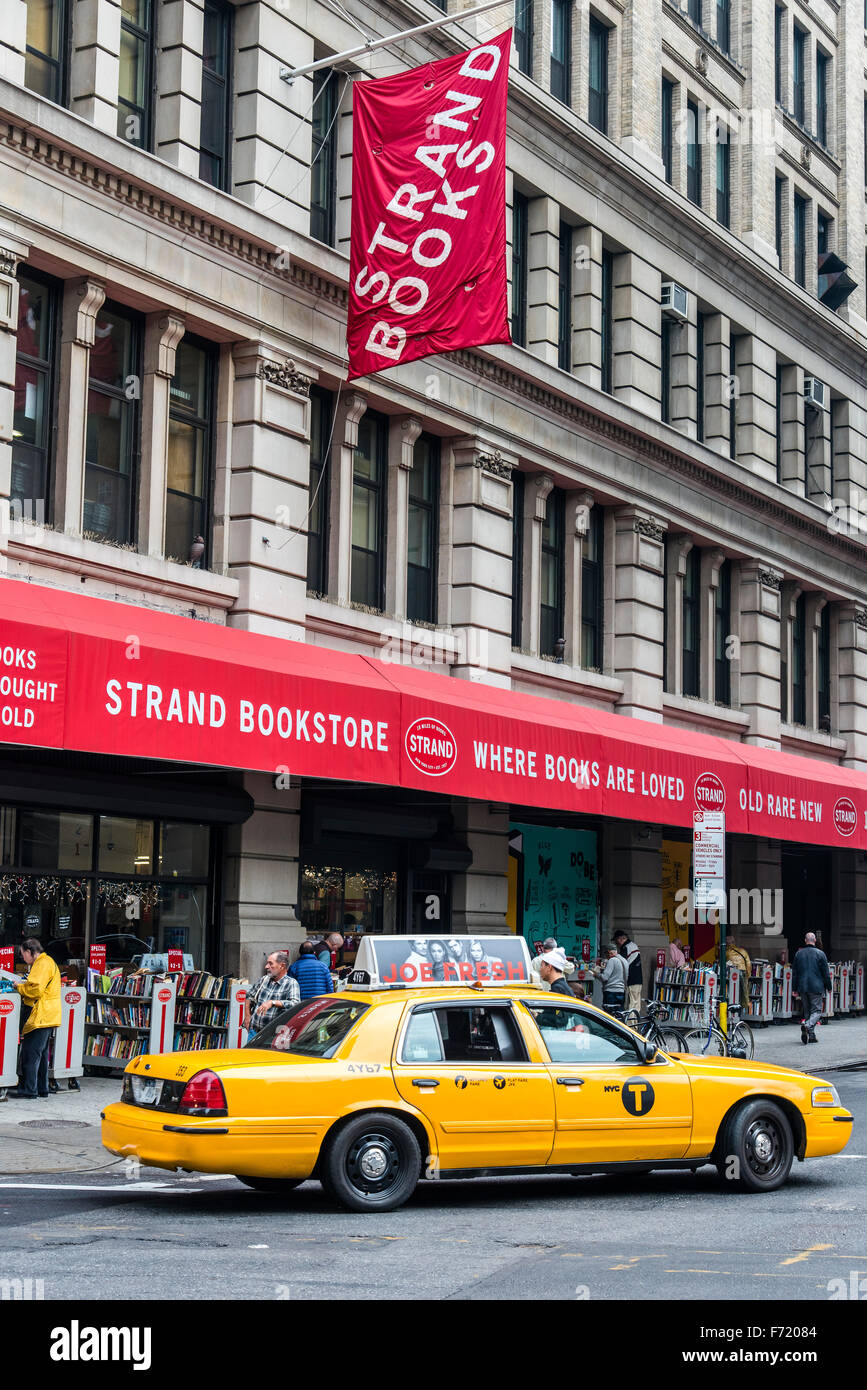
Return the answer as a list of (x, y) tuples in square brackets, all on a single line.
[(312, 976), (40, 992), (552, 969), (276, 990), (635, 976), (613, 975), (811, 978)]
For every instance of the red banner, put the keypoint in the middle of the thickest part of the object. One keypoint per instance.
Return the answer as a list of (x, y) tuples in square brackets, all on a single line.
[(427, 265)]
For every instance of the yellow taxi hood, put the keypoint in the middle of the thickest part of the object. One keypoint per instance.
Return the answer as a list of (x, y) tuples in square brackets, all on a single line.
[(172, 1066), (753, 1070)]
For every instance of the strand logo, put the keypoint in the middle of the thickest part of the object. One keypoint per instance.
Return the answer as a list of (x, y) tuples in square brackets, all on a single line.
[(72, 996), (430, 746), (845, 816), (709, 792)]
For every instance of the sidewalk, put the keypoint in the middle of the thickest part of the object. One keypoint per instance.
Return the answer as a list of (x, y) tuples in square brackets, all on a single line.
[(62, 1134)]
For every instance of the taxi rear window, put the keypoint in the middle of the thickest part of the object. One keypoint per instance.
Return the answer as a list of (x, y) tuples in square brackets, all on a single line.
[(315, 1029)]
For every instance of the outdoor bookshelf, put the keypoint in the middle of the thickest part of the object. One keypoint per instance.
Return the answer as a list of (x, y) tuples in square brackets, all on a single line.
[(761, 992), (689, 992), (130, 1015), (781, 992)]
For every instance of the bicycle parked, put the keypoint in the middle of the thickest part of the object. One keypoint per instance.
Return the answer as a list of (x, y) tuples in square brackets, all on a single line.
[(711, 1041), (654, 1027)]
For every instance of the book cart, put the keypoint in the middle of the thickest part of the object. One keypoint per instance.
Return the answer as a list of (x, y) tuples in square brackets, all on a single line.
[(840, 986), (761, 993), (130, 1015), (689, 991), (856, 988), (781, 996)]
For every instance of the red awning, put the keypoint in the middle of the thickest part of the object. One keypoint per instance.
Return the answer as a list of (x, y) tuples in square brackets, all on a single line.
[(98, 676)]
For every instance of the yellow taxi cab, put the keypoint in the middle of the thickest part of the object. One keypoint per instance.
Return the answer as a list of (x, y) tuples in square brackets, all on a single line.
[(374, 1088)]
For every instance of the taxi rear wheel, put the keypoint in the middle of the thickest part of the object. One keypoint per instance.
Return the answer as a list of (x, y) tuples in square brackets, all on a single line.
[(373, 1163), (271, 1184), (758, 1137)]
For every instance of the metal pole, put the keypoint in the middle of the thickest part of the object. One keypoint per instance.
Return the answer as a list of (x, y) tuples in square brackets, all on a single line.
[(289, 74)]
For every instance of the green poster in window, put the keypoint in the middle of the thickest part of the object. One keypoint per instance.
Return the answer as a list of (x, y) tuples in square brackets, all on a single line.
[(559, 885)]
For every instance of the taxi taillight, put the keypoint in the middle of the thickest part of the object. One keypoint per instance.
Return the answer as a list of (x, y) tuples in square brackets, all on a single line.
[(203, 1095)]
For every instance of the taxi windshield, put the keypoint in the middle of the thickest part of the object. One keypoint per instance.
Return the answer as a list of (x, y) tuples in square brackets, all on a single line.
[(315, 1029)]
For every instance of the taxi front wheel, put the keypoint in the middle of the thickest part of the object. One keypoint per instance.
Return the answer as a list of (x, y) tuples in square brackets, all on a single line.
[(756, 1147), (373, 1163)]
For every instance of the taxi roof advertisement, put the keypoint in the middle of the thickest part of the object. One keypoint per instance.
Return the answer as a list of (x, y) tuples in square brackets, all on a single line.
[(96, 676)]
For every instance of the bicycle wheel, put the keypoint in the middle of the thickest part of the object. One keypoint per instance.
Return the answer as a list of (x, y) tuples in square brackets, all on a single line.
[(706, 1044), (672, 1039), (742, 1038)]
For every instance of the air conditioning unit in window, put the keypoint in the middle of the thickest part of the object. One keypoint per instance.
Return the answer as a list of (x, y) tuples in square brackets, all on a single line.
[(674, 300), (815, 393)]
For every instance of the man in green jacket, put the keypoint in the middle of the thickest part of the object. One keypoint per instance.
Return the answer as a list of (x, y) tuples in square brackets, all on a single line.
[(41, 991)]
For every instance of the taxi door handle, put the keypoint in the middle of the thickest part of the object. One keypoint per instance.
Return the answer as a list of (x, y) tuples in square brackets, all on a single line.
[(570, 1080), (424, 1081)]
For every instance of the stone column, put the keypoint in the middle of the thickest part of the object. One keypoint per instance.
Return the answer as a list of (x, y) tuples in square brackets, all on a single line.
[(791, 427), (94, 72), (13, 42), (711, 562), (760, 614), (482, 561), (790, 592), (677, 548), (640, 47), (543, 280), (756, 438), (817, 446), (82, 301), (541, 56), (577, 506), (163, 332), (638, 611), (350, 409), (10, 255), (848, 80), (718, 385), (684, 365), (848, 451), (636, 333), (480, 895), (269, 490), (261, 878), (851, 722), (268, 113), (758, 153), (814, 604), (179, 83), (587, 305), (536, 493), (402, 435)]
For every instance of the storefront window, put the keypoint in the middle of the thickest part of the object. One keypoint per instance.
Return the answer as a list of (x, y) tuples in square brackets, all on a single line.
[(125, 846), (55, 840), (336, 899), (183, 850)]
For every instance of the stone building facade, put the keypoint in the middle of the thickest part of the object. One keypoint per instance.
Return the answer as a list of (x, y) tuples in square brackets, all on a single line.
[(650, 504)]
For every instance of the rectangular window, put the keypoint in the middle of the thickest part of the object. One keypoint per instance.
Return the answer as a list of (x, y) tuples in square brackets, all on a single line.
[(112, 442), (523, 36), (693, 9), (190, 453), (699, 376), (323, 173), (519, 269), (592, 592), (561, 50), (799, 79), (800, 239), (552, 577), (607, 345), (321, 417), (691, 616), (215, 136), (779, 20), (598, 109), (823, 669), (722, 617), (724, 25), (693, 154), (779, 423), (823, 233), (368, 512), (46, 63), (799, 662), (733, 398), (35, 388), (668, 128), (564, 322), (665, 375), (421, 555), (517, 557), (723, 178), (136, 78), (823, 64), (779, 195)]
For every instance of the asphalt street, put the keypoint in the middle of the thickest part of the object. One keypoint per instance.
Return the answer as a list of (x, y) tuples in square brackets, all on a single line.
[(670, 1235)]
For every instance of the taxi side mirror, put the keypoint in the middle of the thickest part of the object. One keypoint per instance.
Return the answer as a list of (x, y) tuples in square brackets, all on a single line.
[(650, 1051)]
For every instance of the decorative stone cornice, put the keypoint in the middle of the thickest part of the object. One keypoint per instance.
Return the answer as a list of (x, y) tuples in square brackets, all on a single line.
[(650, 529), (410, 429), (285, 375), (771, 579), (861, 617), (494, 463), (8, 261), (82, 301), (161, 349)]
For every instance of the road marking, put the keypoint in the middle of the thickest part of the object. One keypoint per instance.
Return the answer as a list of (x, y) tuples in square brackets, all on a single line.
[(83, 1187), (805, 1254)]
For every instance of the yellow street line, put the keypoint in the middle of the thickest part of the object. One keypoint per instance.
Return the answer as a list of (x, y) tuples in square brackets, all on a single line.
[(805, 1254)]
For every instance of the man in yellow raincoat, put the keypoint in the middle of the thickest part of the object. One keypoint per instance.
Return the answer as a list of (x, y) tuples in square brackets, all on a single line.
[(41, 991)]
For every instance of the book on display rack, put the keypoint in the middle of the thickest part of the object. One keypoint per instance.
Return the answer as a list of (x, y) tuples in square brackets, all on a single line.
[(146, 1012), (687, 990)]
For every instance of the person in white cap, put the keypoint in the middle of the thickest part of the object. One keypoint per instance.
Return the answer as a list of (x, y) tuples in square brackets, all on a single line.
[(552, 968)]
